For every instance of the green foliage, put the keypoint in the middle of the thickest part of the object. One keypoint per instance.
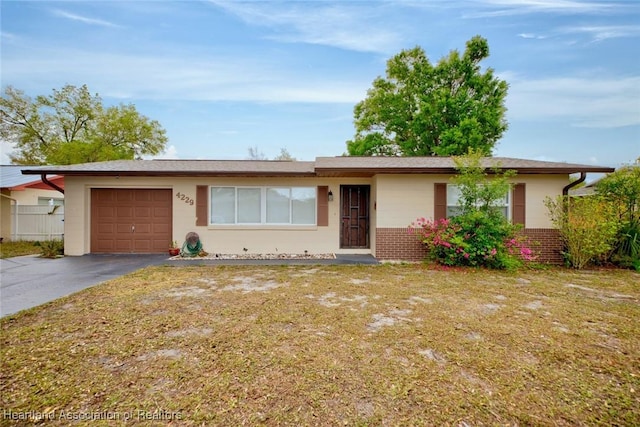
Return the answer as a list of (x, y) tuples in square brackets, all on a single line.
[(474, 239), (627, 247), (622, 190), (588, 227), (15, 248), (284, 155), (72, 126), (478, 191), (51, 248), (424, 110), (480, 235)]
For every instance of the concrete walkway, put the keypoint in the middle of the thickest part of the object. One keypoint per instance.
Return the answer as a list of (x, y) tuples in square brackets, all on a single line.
[(29, 281)]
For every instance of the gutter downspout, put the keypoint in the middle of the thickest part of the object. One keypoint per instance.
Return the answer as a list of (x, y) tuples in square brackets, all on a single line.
[(14, 232), (565, 190), (44, 179)]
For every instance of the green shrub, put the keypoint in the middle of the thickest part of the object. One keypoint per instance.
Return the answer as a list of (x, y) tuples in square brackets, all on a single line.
[(473, 239), (587, 226), (481, 236), (52, 248)]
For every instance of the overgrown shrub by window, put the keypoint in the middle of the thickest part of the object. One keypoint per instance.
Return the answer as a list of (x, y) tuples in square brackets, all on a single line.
[(474, 239), (587, 225), (481, 236)]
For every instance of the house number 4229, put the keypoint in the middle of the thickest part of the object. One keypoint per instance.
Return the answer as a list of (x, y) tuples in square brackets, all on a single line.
[(188, 200)]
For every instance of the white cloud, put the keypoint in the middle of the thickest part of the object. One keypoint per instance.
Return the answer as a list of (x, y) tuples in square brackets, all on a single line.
[(522, 7), (170, 153), (583, 102), (83, 19), (348, 26), (604, 32), (531, 36), (182, 75), (6, 148)]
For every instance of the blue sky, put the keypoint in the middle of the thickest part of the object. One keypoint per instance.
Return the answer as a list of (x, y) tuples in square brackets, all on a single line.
[(223, 76)]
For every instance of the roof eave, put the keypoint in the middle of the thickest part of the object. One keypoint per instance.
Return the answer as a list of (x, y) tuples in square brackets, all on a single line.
[(175, 174), (449, 171)]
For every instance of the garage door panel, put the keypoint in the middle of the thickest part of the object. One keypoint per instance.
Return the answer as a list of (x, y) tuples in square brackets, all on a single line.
[(162, 197), (106, 212), (142, 246), (161, 228), (123, 245), (106, 228), (161, 212), (130, 220), (143, 228), (123, 228), (124, 212), (107, 244), (143, 213)]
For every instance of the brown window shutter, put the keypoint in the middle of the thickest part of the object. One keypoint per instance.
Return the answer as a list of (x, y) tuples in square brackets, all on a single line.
[(323, 206), (440, 201), (518, 204), (201, 205)]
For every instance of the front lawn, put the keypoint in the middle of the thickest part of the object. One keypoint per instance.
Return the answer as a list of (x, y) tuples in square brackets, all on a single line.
[(331, 345), (19, 248)]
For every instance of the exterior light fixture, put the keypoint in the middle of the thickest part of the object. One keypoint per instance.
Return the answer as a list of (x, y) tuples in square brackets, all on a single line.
[(330, 196)]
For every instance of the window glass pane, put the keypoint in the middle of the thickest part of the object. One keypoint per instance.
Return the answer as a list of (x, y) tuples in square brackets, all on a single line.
[(248, 205), (223, 205), (453, 195), (278, 206), (303, 205), (453, 202), (453, 211)]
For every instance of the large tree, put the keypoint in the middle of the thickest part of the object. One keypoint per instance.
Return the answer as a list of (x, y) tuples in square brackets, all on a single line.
[(424, 110), (72, 126)]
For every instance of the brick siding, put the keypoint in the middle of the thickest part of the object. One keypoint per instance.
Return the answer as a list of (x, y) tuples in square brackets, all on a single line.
[(399, 244), (546, 243)]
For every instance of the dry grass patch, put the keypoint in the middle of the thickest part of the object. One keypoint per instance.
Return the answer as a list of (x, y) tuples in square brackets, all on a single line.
[(19, 248), (351, 345)]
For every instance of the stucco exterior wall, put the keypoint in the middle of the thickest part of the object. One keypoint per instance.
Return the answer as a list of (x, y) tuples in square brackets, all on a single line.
[(5, 215), (403, 198), (396, 201), (28, 196), (215, 238), (537, 189)]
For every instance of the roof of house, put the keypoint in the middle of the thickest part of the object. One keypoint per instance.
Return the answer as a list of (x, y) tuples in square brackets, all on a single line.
[(11, 178), (322, 166), (186, 168), (356, 165)]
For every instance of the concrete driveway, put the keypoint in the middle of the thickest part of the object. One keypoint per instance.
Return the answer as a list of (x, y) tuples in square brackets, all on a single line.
[(29, 281)]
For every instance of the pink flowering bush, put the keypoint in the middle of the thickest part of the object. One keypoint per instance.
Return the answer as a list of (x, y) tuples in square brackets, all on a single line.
[(476, 238)]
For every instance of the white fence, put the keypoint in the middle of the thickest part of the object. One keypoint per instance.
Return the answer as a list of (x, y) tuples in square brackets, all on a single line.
[(37, 222)]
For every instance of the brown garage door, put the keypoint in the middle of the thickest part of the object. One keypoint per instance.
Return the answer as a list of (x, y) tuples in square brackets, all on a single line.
[(130, 220)]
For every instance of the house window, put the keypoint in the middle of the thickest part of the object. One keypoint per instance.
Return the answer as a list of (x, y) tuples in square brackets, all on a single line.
[(263, 205), (454, 207)]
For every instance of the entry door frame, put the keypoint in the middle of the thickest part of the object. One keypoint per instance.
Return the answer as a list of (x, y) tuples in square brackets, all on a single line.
[(355, 216)]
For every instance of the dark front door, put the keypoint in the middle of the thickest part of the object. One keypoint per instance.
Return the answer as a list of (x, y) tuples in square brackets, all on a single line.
[(354, 212)]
